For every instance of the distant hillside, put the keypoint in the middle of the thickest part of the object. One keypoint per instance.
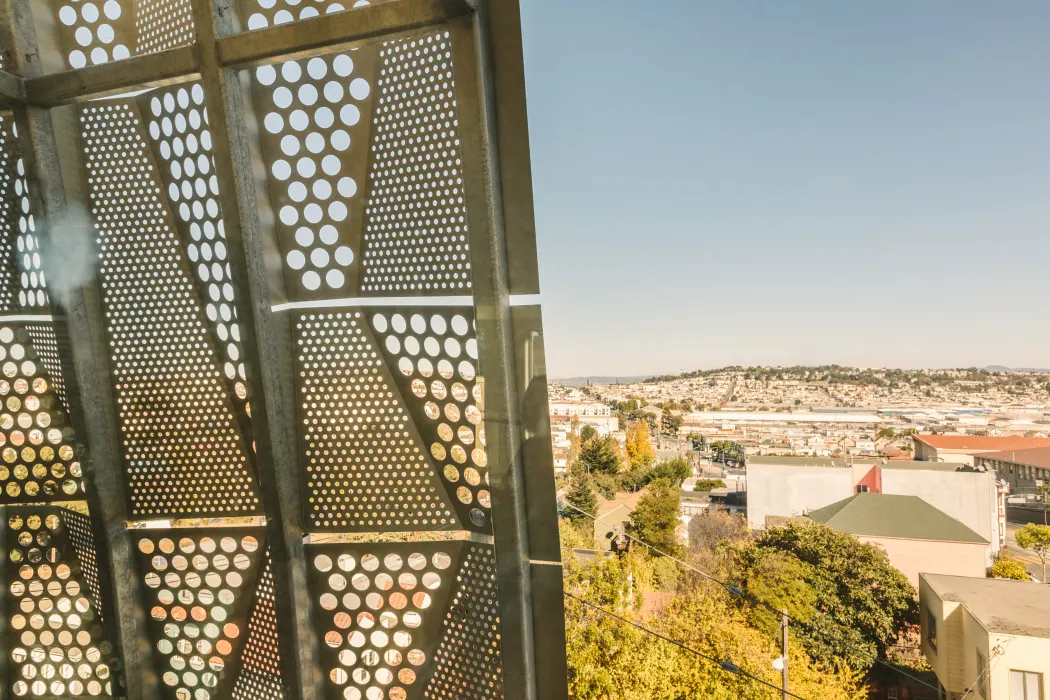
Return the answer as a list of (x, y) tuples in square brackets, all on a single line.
[(580, 381), (1000, 368)]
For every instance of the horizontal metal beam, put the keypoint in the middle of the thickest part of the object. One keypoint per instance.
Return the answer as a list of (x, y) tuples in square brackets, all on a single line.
[(12, 88), (149, 70), (336, 31), (300, 39)]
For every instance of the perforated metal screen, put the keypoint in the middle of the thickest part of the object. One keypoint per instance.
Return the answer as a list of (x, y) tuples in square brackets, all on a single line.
[(275, 434)]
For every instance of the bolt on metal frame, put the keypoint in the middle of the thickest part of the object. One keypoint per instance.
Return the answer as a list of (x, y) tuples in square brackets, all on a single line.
[(490, 92)]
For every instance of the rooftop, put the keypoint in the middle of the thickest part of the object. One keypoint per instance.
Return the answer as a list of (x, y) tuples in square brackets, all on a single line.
[(982, 442), (885, 515), (912, 465), (804, 461), (781, 417), (832, 462), (1037, 457), (1000, 605)]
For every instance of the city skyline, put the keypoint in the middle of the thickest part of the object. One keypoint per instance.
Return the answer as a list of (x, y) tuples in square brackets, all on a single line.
[(861, 185)]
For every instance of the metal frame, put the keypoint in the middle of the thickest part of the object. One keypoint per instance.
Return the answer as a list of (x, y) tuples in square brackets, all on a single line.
[(486, 38)]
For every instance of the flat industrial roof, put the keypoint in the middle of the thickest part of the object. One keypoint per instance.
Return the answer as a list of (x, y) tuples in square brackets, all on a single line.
[(981, 442), (1037, 457), (1003, 606)]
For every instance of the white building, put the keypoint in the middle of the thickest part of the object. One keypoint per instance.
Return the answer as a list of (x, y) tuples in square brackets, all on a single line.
[(579, 408)]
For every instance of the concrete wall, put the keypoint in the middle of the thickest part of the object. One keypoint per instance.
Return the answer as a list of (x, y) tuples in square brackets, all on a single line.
[(960, 636), (781, 490), (913, 557), (969, 497), (926, 453), (942, 611), (923, 452)]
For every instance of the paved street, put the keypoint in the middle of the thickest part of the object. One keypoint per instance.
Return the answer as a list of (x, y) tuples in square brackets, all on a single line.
[(1030, 559)]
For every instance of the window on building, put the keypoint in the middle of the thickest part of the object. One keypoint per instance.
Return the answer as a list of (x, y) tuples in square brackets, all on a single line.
[(1025, 685), (931, 630), (982, 669)]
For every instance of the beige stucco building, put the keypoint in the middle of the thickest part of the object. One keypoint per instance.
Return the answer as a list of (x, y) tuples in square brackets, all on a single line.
[(916, 536), (986, 639)]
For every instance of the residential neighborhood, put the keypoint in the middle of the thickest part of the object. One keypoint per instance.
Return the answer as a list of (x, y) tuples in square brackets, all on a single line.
[(953, 496)]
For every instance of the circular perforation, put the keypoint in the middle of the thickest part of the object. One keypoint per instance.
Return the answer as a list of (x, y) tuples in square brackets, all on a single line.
[(33, 284), (181, 442), (416, 225), (58, 647), (178, 126), (468, 658), (10, 211), (374, 605), (315, 113), (38, 460), (266, 13), (434, 355), (194, 583), (45, 342), (93, 31), (364, 471), (163, 24), (260, 676)]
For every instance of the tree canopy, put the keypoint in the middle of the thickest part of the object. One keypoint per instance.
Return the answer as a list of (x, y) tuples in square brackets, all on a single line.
[(1006, 566), (610, 660), (655, 519), (582, 496), (864, 602), (600, 456), (1037, 539), (675, 470)]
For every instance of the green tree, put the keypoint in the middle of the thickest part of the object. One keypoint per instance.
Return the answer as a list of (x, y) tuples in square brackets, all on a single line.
[(588, 433), (885, 433), (714, 528), (865, 602), (709, 484), (781, 581), (675, 470), (1044, 491), (655, 519), (669, 421), (1036, 538), (610, 660), (1006, 566), (600, 456), (581, 496)]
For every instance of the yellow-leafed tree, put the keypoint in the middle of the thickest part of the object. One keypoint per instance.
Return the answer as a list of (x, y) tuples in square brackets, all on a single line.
[(640, 451)]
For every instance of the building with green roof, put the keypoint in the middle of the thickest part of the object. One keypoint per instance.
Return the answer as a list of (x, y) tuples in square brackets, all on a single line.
[(917, 537)]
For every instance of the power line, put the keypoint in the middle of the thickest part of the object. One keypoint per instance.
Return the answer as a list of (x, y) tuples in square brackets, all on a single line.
[(726, 665), (978, 685), (739, 592)]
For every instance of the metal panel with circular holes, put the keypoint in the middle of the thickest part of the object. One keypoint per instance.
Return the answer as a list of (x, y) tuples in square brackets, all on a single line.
[(56, 645), (266, 425), (408, 620)]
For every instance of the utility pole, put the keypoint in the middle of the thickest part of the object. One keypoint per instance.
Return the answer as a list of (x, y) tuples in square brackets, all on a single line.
[(784, 651)]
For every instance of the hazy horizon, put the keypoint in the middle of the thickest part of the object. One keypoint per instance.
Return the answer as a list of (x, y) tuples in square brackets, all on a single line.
[(647, 375), (757, 183)]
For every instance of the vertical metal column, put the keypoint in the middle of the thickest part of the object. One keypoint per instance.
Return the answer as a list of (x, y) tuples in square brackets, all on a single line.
[(85, 370), (527, 547), (268, 363)]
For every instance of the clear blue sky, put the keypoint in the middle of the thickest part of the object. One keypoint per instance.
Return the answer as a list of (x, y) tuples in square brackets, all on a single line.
[(761, 182)]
